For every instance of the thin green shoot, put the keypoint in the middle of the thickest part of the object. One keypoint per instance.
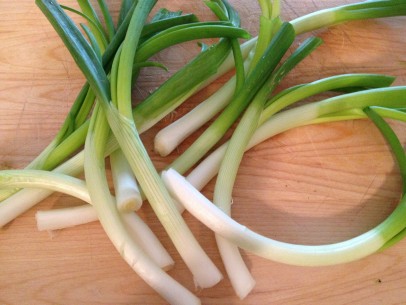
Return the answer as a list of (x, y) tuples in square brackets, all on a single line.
[(395, 114), (108, 19), (92, 40), (96, 29), (392, 140), (89, 11), (223, 11), (126, 9)]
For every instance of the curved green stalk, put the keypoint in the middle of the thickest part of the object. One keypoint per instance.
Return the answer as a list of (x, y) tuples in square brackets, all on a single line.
[(33, 178), (393, 141), (357, 11), (397, 150), (187, 32), (164, 24), (297, 93), (300, 255), (231, 162), (225, 12)]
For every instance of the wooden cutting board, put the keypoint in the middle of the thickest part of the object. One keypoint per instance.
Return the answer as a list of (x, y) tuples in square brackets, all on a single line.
[(312, 185)]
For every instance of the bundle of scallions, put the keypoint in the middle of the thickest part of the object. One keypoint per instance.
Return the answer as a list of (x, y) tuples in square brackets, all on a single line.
[(248, 109)]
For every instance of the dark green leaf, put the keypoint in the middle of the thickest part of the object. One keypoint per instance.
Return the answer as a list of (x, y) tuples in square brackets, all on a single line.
[(81, 51), (164, 13)]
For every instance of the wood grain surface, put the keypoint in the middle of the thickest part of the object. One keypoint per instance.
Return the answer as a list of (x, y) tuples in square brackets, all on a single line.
[(312, 185)]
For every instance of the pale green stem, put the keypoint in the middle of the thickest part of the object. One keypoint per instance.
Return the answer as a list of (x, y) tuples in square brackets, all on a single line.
[(301, 255), (126, 188)]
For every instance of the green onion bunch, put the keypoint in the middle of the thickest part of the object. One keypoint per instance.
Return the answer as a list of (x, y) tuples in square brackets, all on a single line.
[(103, 122)]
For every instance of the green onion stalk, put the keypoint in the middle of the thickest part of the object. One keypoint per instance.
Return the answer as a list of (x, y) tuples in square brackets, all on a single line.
[(233, 156), (375, 114), (342, 252), (111, 220)]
